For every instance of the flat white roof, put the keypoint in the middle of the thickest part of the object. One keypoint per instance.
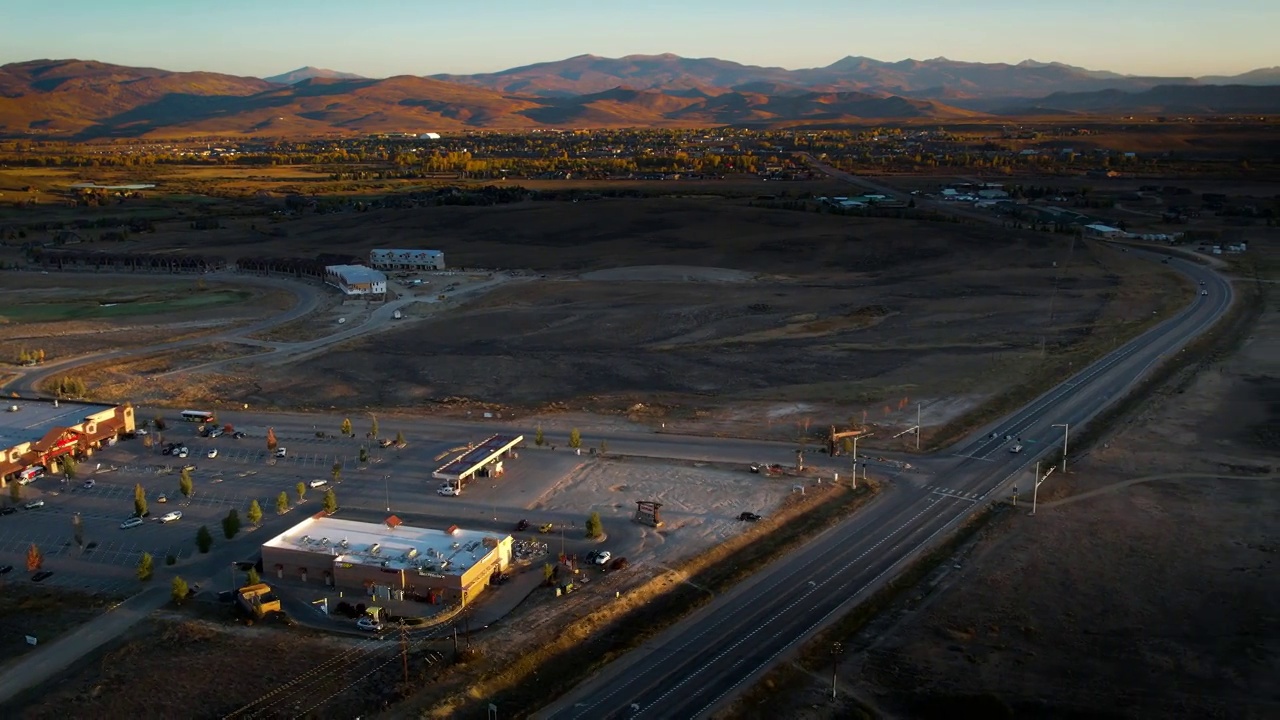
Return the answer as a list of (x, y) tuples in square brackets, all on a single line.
[(1099, 227), (377, 545), (407, 253), (354, 274), (35, 418)]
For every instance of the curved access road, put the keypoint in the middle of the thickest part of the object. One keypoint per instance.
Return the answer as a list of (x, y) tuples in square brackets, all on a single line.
[(696, 667), (28, 380)]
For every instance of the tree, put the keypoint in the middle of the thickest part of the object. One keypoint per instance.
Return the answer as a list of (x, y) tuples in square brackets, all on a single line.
[(301, 487), (204, 539), (251, 576), (139, 501), (271, 440), (336, 471), (330, 501), (282, 503), (364, 454), (254, 514), (69, 467), (548, 573), (231, 524), (538, 438), (575, 439), (77, 529), (373, 426), (159, 422), (35, 558), (146, 566), (595, 528), (346, 426), (185, 485), (399, 438), (178, 590)]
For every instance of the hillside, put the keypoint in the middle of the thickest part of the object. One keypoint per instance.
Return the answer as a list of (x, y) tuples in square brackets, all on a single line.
[(87, 100), (306, 73)]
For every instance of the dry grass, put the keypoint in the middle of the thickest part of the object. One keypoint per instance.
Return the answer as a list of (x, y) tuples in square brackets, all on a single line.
[(134, 380)]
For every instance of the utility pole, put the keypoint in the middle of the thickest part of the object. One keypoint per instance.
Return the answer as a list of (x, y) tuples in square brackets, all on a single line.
[(386, 487), (1066, 430), (855, 461), (835, 667)]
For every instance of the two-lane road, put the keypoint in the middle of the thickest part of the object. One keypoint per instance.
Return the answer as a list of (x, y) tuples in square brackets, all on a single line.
[(696, 666)]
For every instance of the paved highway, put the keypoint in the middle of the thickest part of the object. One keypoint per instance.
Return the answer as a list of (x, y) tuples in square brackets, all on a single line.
[(698, 665)]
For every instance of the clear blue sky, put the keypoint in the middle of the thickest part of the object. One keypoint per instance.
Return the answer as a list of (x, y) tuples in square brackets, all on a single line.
[(378, 38)]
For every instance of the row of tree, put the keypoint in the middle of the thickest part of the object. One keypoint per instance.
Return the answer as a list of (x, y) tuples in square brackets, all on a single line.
[(30, 357)]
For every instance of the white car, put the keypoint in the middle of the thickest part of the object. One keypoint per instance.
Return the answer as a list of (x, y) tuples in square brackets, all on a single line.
[(319, 483), (213, 453), (141, 431), (182, 453), (1204, 292), (1015, 449), (34, 504), (449, 491), (281, 452), (170, 517), (132, 522), (368, 623), (602, 558), (162, 498)]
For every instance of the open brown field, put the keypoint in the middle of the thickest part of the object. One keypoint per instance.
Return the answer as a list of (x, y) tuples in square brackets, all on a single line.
[(720, 303), (74, 314), (1143, 587)]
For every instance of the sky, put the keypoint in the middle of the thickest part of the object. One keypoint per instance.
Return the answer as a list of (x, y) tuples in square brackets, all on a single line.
[(379, 38)]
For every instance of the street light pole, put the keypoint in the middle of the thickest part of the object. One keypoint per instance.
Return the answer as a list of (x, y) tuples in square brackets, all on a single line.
[(1035, 489), (918, 426), (1066, 430), (855, 461), (386, 487)]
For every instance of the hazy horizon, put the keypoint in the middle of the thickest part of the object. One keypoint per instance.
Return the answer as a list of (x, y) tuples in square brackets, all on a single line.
[(1138, 37)]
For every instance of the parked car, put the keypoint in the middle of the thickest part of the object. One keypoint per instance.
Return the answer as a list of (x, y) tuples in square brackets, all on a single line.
[(34, 504), (448, 490), (546, 527), (602, 558), (318, 483), (522, 525), (216, 432), (140, 432), (6, 569), (88, 484), (7, 510), (385, 443), (755, 467), (170, 517), (238, 435), (213, 453), (162, 498), (42, 576), (1204, 293), (281, 452), (748, 516), (132, 522), (368, 623), (182, 453)]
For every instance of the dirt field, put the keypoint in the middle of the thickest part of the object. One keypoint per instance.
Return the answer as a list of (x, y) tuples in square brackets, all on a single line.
[(1143, 587), (164, 671), (45, 614), (67, 314), (845, 314)]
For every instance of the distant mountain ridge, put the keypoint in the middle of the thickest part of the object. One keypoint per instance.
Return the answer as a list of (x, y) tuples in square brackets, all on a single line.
[(308, 72), (87, 99)]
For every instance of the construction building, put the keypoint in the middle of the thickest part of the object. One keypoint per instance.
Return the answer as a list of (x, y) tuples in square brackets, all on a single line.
[(407, 259), (484, 459), (36, 433), (356, 279), (388, 560)]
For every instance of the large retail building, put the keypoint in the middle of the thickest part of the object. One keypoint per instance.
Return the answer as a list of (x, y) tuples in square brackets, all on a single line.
[(388, 558), (38, 433)]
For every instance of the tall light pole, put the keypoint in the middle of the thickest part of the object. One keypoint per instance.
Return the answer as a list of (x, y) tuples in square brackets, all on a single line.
[(386, 487), (1035, 488), (855, 461), (1066, 429), (918, 426)]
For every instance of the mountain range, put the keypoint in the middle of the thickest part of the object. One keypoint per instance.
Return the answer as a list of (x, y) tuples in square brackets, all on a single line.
[(87, 99)]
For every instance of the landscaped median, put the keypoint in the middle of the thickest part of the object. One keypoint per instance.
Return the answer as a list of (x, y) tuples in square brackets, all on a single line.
[(523, 679)]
